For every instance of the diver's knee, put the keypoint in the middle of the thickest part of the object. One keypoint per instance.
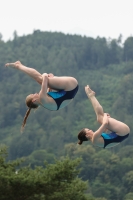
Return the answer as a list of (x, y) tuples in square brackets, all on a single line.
[(128, 129)]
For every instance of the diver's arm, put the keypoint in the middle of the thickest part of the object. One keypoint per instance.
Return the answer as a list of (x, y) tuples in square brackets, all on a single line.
[(44, 87), (101, 129)]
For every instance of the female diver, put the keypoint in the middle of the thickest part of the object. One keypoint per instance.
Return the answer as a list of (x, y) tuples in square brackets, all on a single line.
[(56, 92), (118, 130)]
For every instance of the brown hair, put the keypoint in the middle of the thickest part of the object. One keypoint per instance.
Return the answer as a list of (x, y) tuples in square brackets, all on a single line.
[(82, 137), (30, 105)]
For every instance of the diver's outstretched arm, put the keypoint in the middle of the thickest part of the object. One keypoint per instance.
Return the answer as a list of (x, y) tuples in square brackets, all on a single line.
[(27, 70)]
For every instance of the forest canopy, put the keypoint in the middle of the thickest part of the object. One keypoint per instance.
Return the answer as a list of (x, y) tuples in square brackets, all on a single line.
[(107, 66)]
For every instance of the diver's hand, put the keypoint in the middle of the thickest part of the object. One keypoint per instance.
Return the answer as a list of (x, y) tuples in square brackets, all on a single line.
[(45, 74), (106, 119)]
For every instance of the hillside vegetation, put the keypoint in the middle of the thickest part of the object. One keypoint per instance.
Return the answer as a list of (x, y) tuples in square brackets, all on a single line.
[(105, 65)]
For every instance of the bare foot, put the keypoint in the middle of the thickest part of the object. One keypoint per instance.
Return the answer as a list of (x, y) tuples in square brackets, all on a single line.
[(15, 65), (89, 92)]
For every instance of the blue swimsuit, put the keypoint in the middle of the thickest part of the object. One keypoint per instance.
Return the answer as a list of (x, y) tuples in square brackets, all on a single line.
[(62, 95), (112, 137)]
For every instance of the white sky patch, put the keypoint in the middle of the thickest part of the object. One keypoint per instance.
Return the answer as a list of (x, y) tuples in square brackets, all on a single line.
[(104, 18)]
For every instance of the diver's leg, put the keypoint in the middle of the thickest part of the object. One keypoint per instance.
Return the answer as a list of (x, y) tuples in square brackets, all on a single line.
[(27, 70), (117, 126), (96, 105), (64, 82)]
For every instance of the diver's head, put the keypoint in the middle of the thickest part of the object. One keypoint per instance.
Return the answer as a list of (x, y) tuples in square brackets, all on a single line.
[(84, 135), (31, 100)]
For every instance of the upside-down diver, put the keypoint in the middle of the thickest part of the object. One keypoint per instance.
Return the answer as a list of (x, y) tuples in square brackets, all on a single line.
[(56, 91), (118, 131)]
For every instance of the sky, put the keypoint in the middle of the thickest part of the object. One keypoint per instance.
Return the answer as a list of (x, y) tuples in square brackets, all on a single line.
[(92, 18)]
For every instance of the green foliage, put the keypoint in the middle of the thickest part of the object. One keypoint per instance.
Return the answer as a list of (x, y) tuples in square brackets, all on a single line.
[(128, 196), (109, 173), (128, 49), (55, 182), (107, 68), (37, 158)]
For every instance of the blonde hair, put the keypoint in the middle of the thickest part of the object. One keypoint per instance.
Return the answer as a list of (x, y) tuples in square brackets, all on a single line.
[(30, 105)]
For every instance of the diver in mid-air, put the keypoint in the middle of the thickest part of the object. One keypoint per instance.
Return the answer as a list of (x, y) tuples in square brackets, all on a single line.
[(110, 133), (56, 91)]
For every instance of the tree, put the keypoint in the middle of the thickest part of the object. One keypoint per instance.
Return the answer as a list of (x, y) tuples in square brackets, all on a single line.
[(128, 49), (1, 37), (55, 182), (129, 196), (128, 181)]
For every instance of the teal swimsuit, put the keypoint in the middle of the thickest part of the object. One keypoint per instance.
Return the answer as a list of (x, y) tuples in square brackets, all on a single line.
[(112, 138), (62, 95)]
